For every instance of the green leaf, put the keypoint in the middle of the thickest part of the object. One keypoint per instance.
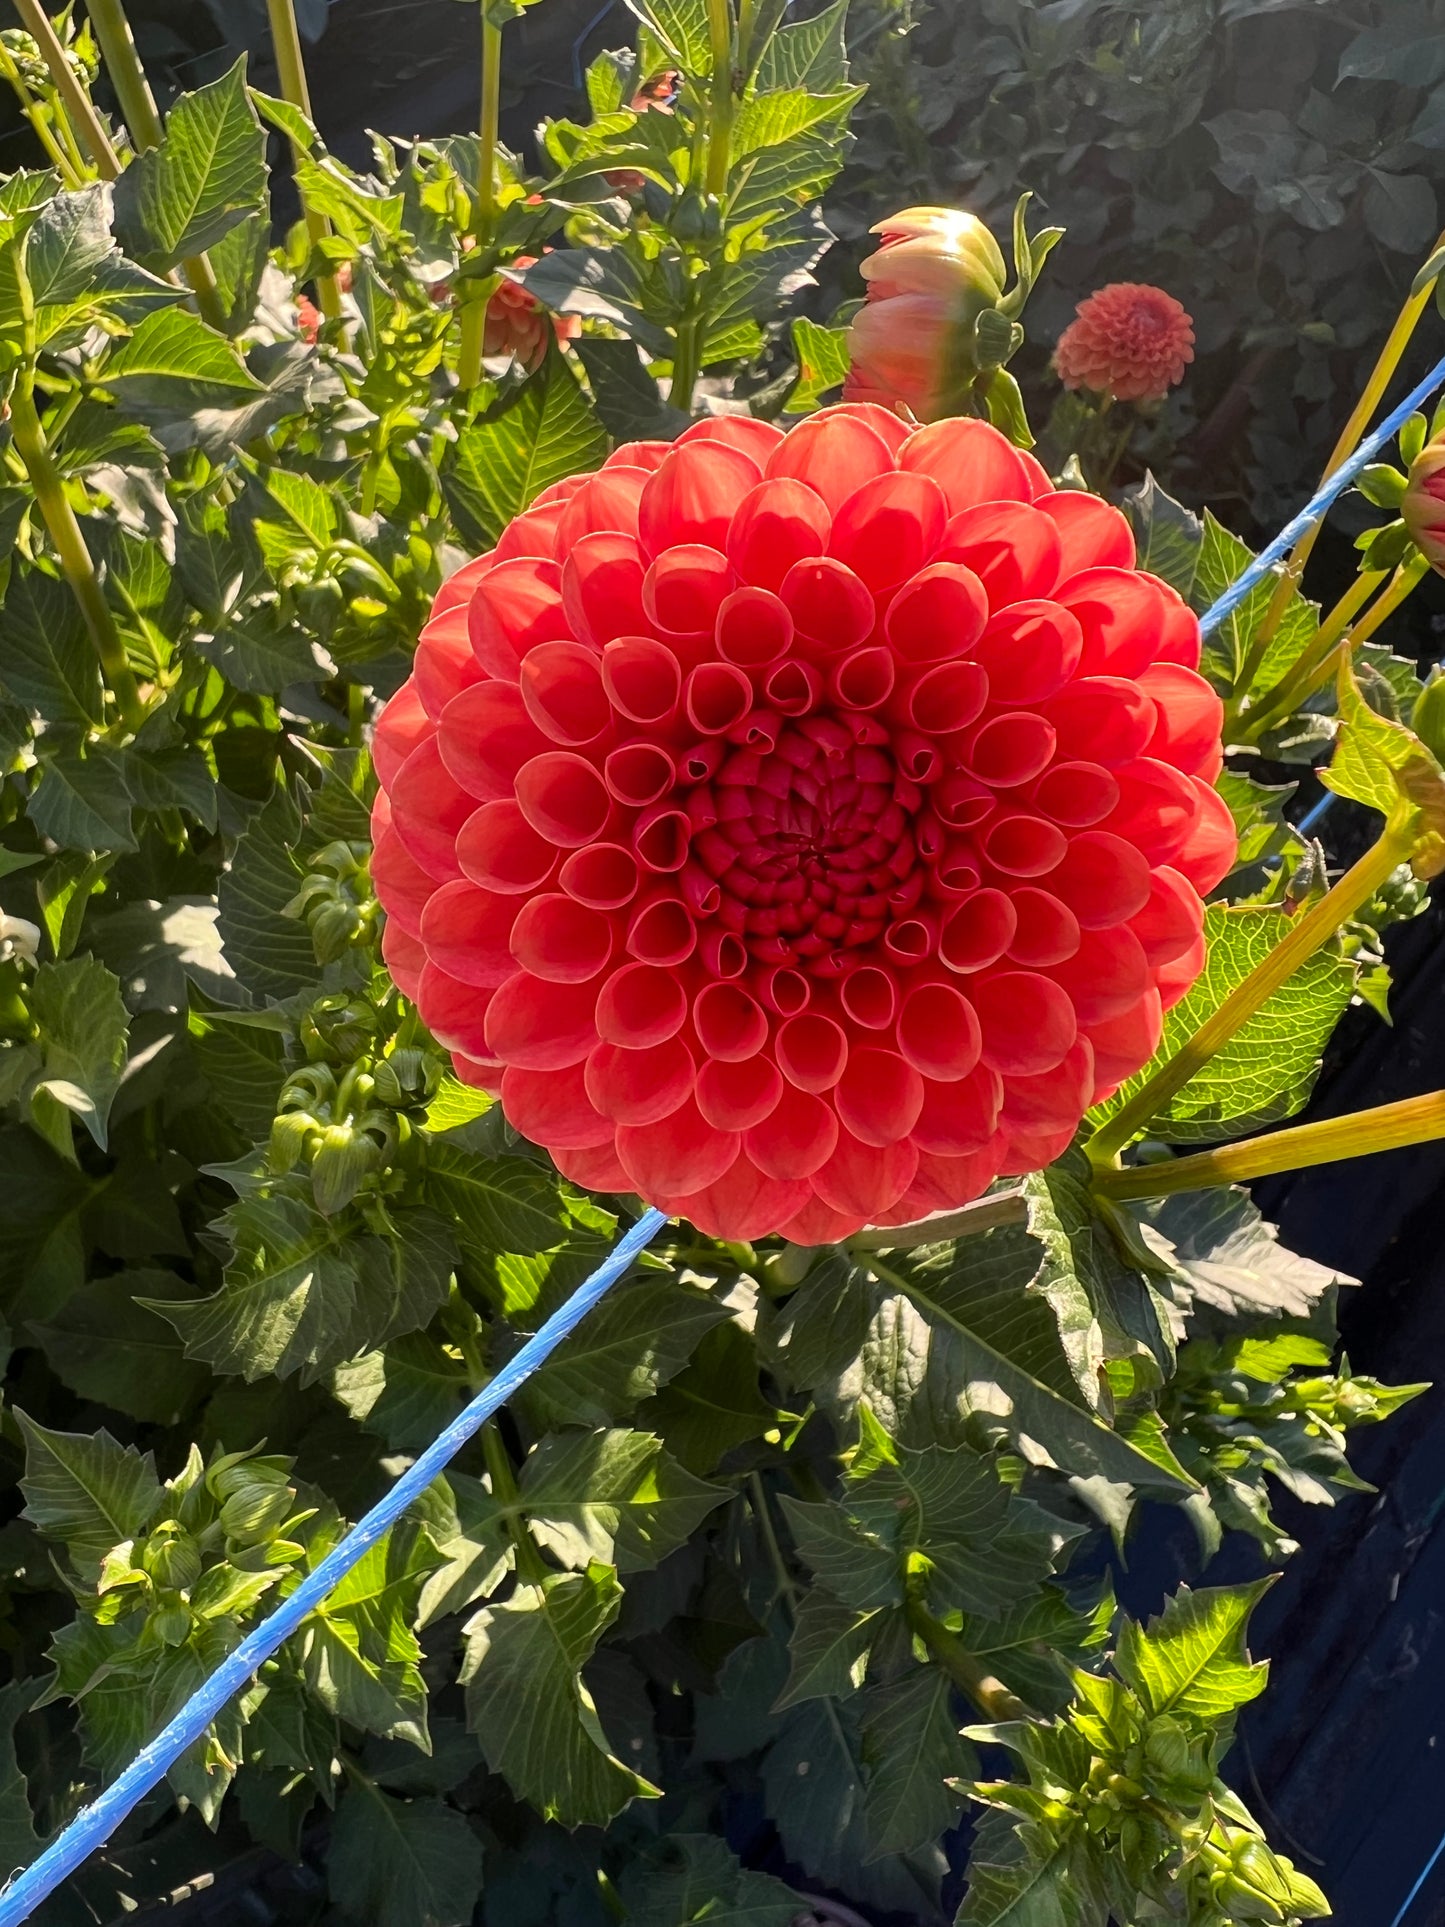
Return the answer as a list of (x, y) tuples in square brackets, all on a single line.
[(682, 27), (955, 1334), (456, 1104), (405, 1394), (1232, 1260), (517, 1224), (286, 119), (359, 1653), (1382, 763), (174, 360), (529, 1705), (688, 1877), (19, 1842), (84, 802), (713, 1404), (270, 953), (1191, 1660), (89, 1493), (823, 363), (541, 433), (1023, 1875), (475, 1544), (612, 1497), (1267, 1069), (1167, 535), (912, 1748), (243, 1068), (829, 1645), (637, 1339), (107, 1347), (84, 1035), (1031, 1647), (625, 394), (49, 665), (402, 1863), (303, 1292), (208, 174), (810, 55)]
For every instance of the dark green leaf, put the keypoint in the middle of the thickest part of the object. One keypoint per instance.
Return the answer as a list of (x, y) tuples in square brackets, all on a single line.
[(912, 1748), (107, 1347), (402, 1863), (50, 665), (612, 1496), (89, 1493), (542, 433), (84, 1035)]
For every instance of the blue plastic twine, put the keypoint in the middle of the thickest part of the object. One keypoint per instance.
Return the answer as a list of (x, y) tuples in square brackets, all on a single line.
[(1315, 509), (94, 1824)]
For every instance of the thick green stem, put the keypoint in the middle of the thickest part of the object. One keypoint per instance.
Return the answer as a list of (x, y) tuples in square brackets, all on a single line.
[(530, 1563), (78, 104), (686, 364), (1387, 1127), (724, 99), (1306, 935), (1318, 667), (291, 71), (75, 561), (984, 1214), (988, 1693), (138, 108), (1360, 416), (477, 294)]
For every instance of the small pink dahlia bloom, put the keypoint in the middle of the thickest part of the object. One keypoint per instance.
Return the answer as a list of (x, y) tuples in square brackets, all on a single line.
[(1129, 340)]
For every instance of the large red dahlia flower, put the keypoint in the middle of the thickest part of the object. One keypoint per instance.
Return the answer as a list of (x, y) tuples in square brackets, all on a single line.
[(802, 831), (1129, 340)]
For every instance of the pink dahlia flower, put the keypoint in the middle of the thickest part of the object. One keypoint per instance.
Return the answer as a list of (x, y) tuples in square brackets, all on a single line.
[(1129, 340), (517, 324), (1423, 505), (800, 831)]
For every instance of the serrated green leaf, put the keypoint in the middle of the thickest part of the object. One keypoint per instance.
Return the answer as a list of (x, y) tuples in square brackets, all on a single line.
[(1167, 536), (88, 1492), (207, 174), (405, 1394), (912, 1749), (682, 27), (828, 1647), (271, 954), (49, 666), (688, 1877), (1192, 1660), (1382, 763), (402, 1863), (476, 1547), (543, 432), (810, 54), (176, 349), (303, 1291), (611, 1497), (358, 1651), (638, 1339), (19, 1841), (286, 119), (1023, 1875), (107, 1347), (84, 802), (1267, 1069), (1232, 1260), (714, 1403), (84, 1038), (528, 1703), (456, 1104), (625, 394)]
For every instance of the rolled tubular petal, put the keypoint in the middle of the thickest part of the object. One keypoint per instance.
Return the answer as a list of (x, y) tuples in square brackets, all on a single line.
[(801, 830)]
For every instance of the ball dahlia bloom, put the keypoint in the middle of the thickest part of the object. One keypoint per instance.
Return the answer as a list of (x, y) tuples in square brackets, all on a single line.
[(1423, 506), (801, 831), (912, 341), (1129, 340)]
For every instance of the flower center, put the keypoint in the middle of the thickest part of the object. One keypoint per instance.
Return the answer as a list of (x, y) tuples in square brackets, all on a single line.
[(813, 848)]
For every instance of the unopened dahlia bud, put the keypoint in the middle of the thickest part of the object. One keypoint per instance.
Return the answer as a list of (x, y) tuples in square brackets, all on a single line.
[(1422, 508), (913, 340), (1129, 340), (802, 830)]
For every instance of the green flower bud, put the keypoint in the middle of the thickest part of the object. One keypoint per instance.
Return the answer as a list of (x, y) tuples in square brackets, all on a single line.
[(343, 1162), (171, 1626), (172, 1557), (290, 1140), (407, 1077), (334, 924), (257, 1513)]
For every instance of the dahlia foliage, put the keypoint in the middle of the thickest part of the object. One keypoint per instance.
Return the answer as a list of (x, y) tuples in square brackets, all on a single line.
[(1129, 340), (801, 831)]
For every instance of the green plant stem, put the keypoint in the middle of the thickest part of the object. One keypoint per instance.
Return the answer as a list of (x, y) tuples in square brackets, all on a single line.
[(1331, 628), (1306, 935), (137, 105), (720, 129), (1306, 677), (988, 1693), (78, 104), (758, 1499), (1359, 419), (984, 1214), (686, 363), (75, 560), (530, 1564), (1386, 1127), (291, 71), (34, 112), (477, 294)]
